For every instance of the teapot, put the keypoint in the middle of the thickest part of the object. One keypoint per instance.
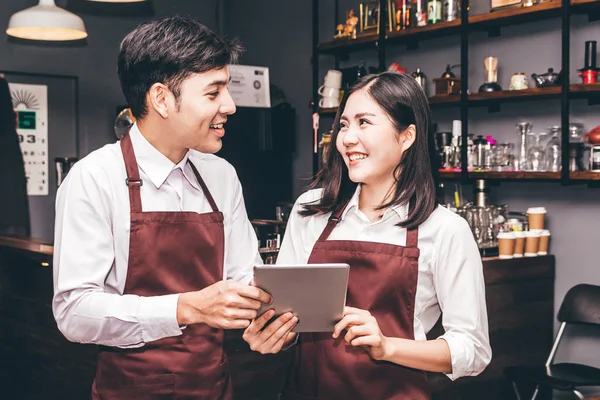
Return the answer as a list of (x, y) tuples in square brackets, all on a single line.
[(593, 136), (549, 78)]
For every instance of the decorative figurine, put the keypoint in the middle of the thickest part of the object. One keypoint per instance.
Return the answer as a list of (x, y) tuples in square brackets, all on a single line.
[(351, 24)]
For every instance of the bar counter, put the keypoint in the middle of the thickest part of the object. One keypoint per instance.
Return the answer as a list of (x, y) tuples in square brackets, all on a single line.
[(37, 362)]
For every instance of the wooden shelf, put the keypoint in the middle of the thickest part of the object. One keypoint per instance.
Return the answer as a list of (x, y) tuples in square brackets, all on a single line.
[(580, 2), (505, 175), (514, 175), (506, 96), (514, 95), (585, 6), (348, 44), (444, 100), (583, 91), (585, 175), (328, 111), (440, 29), (449, 174), (517, 15)]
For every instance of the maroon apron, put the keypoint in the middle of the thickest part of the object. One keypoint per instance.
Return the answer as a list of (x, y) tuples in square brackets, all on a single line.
[(169, 252), (383, 280)]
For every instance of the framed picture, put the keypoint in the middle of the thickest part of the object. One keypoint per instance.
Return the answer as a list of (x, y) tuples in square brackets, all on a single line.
[(503, 4), (369, 16)]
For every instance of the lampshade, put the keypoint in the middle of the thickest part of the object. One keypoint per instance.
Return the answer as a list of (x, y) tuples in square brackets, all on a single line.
[(46, 22)]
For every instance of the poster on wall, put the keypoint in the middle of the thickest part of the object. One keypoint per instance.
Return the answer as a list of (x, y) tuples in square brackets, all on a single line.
[(30, 103), (249, 86)]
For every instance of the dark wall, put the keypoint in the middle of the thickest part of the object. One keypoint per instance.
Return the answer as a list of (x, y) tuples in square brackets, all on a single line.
[(94, 64)]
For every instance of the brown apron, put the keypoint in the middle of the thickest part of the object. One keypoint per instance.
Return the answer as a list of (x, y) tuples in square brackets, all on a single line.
[(169, 252), (383, 280)]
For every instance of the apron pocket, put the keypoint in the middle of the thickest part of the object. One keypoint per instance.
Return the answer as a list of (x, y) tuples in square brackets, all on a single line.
[(152, 387)]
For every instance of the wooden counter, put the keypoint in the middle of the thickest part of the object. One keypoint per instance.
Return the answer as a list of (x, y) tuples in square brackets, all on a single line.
[(37, 362)]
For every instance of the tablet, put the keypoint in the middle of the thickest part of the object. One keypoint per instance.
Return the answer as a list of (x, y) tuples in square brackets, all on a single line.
[(315, 293)]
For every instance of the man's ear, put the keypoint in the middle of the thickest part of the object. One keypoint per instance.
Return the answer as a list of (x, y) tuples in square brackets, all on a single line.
[(160, 99)]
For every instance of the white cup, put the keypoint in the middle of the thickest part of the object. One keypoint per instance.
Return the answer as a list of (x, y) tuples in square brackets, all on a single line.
[(329, 102), (327, 91), (333, 79)]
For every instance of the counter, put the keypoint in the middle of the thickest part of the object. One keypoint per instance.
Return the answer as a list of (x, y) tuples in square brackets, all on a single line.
[(36, 361)]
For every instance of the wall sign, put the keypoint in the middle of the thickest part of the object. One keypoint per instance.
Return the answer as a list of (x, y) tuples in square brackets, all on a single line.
[(30, 103)]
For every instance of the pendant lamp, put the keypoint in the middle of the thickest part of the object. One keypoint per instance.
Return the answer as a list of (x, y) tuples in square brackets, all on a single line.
[(46, 22)]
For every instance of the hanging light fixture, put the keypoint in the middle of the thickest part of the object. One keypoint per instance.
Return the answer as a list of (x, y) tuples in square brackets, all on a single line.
[(46, 22)]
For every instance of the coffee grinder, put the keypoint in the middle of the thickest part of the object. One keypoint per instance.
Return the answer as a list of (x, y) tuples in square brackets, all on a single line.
[(589, 72)]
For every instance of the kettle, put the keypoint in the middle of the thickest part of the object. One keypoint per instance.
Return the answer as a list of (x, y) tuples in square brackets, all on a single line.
[(549, 78)]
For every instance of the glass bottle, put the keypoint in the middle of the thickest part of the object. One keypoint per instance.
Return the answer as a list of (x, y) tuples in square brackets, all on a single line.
[(553, 150), (536, 155)]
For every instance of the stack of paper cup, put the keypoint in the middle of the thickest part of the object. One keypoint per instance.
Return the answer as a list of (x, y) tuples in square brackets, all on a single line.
[(331, 89), (506, 245), (544, 240), (519, 244), (536, 218), (532, 243)]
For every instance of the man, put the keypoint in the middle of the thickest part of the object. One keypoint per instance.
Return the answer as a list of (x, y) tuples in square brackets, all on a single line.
[(153, 247)]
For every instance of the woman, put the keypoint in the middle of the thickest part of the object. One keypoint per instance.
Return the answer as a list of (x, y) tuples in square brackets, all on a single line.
[(410, 259)]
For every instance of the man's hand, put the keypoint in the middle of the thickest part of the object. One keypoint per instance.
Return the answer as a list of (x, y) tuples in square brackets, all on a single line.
[(273, 338), (225, 305)]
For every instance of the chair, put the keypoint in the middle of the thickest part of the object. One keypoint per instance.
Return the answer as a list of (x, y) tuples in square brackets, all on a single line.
[(580, 306)]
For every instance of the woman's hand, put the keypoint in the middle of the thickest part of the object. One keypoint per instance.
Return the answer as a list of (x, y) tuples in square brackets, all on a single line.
[(273, 338), (362, 330)]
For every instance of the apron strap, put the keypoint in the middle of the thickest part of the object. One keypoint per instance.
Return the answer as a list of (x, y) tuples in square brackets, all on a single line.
[(133, 181), (412, 235), (332, 223), (213, 205)]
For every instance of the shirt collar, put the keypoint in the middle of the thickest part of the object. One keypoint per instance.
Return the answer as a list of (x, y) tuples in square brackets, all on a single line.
[(154, 164), (401, 210)]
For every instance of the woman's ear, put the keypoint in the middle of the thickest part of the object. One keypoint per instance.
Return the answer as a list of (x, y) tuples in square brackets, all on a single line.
[(408, 136)]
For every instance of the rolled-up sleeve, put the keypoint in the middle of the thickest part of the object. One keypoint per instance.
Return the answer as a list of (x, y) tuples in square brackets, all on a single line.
[(460, 288)]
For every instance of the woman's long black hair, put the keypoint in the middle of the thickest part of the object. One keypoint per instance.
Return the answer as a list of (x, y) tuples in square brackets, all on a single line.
[(401, 97)]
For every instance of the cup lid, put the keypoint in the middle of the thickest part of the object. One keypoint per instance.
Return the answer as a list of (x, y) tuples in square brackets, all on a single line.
[(506, 235), (519, 234), (536, 210), (532, 233), (545, 232)]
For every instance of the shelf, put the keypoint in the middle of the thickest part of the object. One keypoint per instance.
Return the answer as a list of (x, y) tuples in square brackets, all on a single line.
[(444, 100), (328, 111), (585, 175), (507, 175), (577, 91), (518, 15), (507, 96), (346, 45), (585, 6), (449, 174), (441, 29), (515, 175), (584, 91)]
